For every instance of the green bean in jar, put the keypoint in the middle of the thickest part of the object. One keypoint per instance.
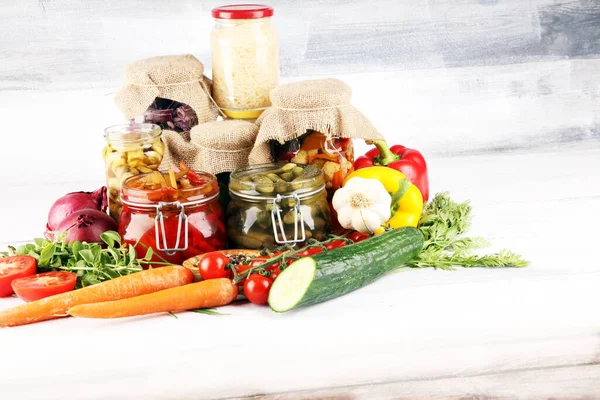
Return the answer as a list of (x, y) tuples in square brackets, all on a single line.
[(291, 195)]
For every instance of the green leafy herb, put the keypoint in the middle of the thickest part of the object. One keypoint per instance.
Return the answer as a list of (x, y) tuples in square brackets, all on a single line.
[(92, 262), (443, 224), (207, 311), (173, 315)]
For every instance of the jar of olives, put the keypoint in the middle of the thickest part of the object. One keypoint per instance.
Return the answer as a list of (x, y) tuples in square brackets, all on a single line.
[(276, 204), (131, 149)]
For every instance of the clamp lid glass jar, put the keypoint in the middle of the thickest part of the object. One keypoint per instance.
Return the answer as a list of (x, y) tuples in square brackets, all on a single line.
[(178, 221), (276, 204), (131, 149), (245, 59)]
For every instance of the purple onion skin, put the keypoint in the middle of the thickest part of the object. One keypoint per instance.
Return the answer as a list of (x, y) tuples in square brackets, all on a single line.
[(73, 202), (87, 225)]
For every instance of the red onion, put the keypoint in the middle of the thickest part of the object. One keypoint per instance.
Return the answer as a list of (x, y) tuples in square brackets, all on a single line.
[(73, 202), (87, 225)]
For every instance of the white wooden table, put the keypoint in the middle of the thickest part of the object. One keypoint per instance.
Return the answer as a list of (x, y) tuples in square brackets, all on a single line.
[(510, 333)]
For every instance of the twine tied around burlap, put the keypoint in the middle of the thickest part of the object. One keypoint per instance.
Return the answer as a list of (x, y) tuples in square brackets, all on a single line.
[(321, 105)]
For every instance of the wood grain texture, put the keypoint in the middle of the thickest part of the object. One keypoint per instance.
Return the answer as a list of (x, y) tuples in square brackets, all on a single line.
[(67, 44), (467, 332), (567, 383)]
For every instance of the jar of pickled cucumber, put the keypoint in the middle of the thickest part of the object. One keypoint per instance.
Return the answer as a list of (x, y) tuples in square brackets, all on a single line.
[(277, 204), (131, 149)]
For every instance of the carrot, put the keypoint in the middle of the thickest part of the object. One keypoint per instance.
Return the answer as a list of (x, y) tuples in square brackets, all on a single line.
[(209, 293), (337, 180), (136, 284)]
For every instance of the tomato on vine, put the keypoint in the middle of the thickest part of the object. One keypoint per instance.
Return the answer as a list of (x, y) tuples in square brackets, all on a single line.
[(335, 244), (310, 251), (213, 265), (358, 237), (257, 287)]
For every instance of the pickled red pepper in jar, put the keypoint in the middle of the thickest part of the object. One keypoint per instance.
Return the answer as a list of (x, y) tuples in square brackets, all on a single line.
[(177, 214), (131, 149), (334, 156), (245, 59)]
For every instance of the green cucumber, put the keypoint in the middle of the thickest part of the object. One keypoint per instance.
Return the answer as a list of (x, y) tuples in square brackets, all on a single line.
[(334, 273)]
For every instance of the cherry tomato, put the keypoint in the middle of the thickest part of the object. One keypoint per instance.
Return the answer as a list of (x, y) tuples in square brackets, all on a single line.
[(357, 236), (335, 244), (256, 288), (35, 287), (213, 265), (275, 273), (311, 251), (242, 267), (14, 267)]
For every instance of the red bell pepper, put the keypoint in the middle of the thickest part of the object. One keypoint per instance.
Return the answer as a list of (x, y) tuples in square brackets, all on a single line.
[(408, 161)]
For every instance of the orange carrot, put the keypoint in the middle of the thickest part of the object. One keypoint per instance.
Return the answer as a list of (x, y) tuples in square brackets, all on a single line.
[(337, 180), (209, 293), (136, 284)]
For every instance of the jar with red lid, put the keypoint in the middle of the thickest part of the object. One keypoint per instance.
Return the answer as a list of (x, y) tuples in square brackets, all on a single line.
[(176, 223), (245, 59)]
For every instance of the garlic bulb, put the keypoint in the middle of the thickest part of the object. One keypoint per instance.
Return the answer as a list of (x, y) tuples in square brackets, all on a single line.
[(362, 204)]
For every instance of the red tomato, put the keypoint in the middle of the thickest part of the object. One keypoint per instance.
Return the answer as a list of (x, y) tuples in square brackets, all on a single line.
[(14, 267), (38, 286), (274, 274), (357, 236), (311, 251), (335, 244), (213, 265), (256, 288)]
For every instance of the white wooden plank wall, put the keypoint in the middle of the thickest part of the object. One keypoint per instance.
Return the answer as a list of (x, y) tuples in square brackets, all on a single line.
[(449, 76)]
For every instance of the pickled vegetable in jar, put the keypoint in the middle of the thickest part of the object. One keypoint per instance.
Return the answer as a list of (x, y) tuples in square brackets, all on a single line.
[(276, 204), (334, 156), (131, 149), (177, 214), (245, 59)]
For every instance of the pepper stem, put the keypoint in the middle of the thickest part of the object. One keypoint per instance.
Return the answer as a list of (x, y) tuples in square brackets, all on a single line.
[(385, 154)]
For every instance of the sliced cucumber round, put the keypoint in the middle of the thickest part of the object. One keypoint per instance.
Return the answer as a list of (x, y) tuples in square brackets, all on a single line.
[(291, 285)]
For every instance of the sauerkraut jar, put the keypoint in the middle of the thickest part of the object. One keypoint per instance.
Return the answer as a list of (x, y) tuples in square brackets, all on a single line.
[(245, 59)]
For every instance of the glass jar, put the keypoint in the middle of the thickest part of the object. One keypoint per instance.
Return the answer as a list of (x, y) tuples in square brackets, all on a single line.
[(131, 149), (335, 156), (245, 59), (176, 223), (276, 204)]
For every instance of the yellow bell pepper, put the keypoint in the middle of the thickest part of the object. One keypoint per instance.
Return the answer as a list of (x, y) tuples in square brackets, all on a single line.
[(407, 201)]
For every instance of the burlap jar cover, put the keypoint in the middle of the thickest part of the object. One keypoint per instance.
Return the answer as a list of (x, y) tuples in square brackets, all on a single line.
[(179, 78), (223, 146), (322, 105)]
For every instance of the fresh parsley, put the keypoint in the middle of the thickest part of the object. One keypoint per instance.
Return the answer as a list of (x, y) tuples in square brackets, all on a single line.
[(443, 224), (92, 262)]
